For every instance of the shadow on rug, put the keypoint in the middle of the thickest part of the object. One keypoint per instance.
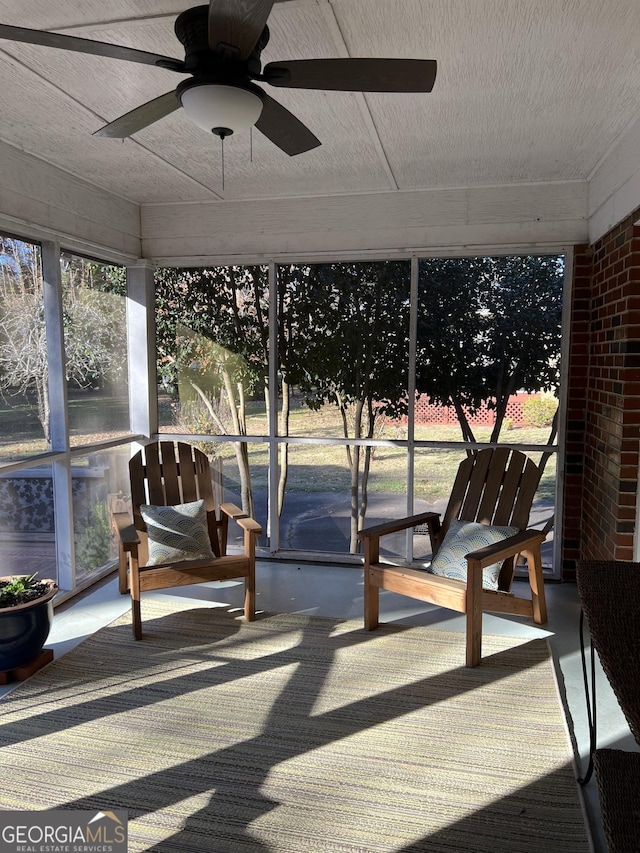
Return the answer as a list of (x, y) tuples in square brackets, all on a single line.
[(295, 734)]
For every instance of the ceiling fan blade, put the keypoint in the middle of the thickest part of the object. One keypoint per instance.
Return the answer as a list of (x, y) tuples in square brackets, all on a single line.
[(141, 117), (237, 23), (284, 129), (354, 75), (95, 48)]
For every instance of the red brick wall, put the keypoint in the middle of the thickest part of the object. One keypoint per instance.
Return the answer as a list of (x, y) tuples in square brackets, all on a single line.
[(603, 415), (576, 414)]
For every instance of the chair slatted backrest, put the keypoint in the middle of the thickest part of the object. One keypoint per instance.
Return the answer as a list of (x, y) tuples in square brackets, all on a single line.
[(494, 486), (166, 473)]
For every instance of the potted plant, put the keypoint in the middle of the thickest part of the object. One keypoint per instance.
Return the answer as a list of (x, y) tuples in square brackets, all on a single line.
[(26, 612)]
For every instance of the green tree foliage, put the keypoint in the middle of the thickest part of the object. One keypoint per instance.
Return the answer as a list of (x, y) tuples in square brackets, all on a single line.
[(487, 328), (212, 345), (345, 331), (227, 305), (93, 539), (342, 339), (94, 321)]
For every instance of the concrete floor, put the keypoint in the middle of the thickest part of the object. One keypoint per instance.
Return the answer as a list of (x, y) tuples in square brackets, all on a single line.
[(336, 591)]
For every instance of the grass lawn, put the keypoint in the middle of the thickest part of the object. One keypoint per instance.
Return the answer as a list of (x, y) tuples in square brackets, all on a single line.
[(94, 416), (324, 468)]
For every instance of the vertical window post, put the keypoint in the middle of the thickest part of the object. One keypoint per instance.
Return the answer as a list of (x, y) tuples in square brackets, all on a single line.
[(58, 414), (274, 447), (411, 393), (141, 341)]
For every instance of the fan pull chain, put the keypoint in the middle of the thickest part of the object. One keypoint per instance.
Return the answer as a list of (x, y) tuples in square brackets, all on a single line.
[(222, 132), (251, 144), (222, 152)]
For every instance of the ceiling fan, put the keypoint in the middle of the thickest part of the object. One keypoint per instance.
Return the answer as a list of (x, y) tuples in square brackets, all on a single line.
[(222, 43)]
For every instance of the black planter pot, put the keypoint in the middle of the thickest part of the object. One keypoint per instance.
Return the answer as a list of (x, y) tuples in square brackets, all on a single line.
[(24, 629)]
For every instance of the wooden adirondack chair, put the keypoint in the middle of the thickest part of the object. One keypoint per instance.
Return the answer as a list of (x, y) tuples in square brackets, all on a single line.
[(166, 474), (494, 487)]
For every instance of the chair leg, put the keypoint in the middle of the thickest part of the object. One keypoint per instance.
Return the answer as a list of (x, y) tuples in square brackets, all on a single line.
[(536, 582), (136, 617), (371, 591), (474, 616), (250, 580), (250, 596), (122, 572), (371, 603)]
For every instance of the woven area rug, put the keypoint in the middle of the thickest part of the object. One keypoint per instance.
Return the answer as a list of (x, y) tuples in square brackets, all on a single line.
[(295, 734)]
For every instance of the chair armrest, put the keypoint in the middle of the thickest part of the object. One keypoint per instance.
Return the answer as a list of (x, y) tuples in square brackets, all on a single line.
[(249, 525), (376, 531), (127, 533), (234, 512), (499, 551)]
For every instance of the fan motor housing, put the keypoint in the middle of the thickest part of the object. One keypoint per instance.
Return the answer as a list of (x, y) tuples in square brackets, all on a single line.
[(192, 29)]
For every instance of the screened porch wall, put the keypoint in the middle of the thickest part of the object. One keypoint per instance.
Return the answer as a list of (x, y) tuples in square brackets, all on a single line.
[(39, 201)]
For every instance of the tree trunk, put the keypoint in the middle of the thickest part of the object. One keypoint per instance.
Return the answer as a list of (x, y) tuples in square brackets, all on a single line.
[(355, 479), (243, 452), (42, 393), (345, 427), (552, 437), (502, 401), (548, 527), (368, 456), (284, 447), (465, 427), (242, 455), (237, 407), (210, 409)]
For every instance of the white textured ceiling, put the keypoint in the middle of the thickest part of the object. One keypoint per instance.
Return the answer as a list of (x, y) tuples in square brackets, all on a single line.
[(535, 91)]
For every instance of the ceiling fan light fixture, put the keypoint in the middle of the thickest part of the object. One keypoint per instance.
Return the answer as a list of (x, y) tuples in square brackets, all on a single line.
[(220, 109)]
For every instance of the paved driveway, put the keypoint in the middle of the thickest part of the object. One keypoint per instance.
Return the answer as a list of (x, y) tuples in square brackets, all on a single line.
[(319, 521)]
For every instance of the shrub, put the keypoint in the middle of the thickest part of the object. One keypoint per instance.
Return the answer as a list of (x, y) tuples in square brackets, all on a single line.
[(93, 540), (192, 416), (539, 411)]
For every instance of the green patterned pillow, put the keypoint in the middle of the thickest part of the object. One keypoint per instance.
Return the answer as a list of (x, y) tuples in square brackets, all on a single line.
[(177, 532), (462, 538)]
